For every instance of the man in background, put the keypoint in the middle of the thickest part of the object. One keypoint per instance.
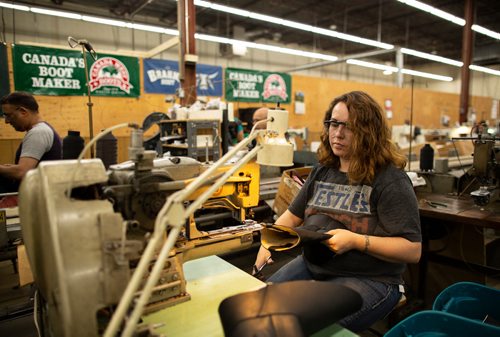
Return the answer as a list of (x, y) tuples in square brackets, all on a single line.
[(41, 141), (236, 133), (260, 115)]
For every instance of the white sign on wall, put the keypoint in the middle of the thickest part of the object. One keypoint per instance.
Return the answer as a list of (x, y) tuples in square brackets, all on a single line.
[(494, 109)]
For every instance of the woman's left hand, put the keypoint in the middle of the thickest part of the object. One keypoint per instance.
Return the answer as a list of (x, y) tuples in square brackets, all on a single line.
[(343, 240), (391, 249)]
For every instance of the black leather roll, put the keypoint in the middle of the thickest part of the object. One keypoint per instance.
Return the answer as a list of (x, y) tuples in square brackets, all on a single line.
[(289, 309)]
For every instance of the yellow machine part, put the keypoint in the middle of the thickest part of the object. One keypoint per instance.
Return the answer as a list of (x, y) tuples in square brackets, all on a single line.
[(242, 188)]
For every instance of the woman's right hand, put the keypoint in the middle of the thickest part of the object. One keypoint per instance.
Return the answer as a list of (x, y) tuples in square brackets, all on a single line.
[(263, 258), (264, 255)]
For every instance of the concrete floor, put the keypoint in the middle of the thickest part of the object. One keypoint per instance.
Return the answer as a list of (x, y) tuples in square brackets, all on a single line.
[(16, 305)]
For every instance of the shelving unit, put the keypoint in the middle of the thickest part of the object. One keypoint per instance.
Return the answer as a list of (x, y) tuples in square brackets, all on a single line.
[(197, 139)]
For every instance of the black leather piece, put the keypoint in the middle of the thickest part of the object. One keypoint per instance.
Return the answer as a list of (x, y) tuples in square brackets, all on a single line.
[(269, 326), (276, 237), (289, 309)]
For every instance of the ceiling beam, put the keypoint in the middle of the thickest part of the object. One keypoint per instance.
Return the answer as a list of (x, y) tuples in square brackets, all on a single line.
[(139, 7), (162, 47)]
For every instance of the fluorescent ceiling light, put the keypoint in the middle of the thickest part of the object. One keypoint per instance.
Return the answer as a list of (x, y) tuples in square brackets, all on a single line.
[(277, 49), (351, 38), (56, 13), (12, 6), (297, 25), (162, 30), (427, 75), (434, 11), (431, 57), (485, 70), (260, 46), (486, 31), (372, 65), (394, 69), (292, 24), (154, 29), (449, 17), (103, 21), (222, 8)]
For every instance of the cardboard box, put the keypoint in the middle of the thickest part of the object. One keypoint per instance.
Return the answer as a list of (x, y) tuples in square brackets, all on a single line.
[(288, 188), (25, 274)]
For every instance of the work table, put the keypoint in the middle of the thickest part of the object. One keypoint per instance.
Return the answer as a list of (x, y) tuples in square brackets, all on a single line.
[(459, 209)]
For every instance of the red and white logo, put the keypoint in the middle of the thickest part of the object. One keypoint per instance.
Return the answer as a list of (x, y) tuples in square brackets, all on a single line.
[(275, 85), (108, 71)]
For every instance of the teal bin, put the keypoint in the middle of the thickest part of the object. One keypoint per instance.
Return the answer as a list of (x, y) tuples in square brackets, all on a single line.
[(430, 323), (471, 300)]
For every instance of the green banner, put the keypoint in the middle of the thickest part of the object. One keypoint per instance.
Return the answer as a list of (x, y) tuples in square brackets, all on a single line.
[(50, 71), (244, 85)]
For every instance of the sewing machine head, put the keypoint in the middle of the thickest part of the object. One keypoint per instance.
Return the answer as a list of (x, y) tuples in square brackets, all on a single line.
[(486, 169)]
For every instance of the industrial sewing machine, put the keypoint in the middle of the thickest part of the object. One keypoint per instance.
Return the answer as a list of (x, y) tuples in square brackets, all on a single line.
[(485, 169), (477, 175), (85, 246), (93, 237)]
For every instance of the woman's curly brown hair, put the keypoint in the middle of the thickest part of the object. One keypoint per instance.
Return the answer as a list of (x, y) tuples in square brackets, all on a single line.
[(371, 146)]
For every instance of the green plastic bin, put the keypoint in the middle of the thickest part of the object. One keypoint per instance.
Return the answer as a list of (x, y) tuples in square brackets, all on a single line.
[(471, 300), (430, 323)]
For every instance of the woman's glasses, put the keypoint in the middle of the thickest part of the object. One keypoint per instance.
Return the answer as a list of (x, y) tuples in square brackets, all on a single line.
[(334, 124)]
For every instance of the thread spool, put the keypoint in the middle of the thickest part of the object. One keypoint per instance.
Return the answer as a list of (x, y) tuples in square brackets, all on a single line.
[(73, 144), (427, 158), (106, 149), (441, 165)]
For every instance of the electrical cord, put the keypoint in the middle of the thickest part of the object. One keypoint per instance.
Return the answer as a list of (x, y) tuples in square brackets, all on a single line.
[(457, 155), (35, 313), (3, 28)]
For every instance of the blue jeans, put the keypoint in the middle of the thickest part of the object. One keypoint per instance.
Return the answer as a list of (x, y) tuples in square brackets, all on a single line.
[(378, 298)]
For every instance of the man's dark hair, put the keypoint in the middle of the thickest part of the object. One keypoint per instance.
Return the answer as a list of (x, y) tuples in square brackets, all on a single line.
[(22, 99)]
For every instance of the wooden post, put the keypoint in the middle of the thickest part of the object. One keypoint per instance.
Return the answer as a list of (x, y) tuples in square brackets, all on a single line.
[(466, 59), (186, 18)]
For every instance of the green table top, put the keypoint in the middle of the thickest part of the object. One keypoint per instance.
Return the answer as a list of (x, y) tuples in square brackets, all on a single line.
[(209, 281)]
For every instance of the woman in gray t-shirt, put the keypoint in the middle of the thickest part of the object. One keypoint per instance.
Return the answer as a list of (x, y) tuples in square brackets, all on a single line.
[(359, 195)]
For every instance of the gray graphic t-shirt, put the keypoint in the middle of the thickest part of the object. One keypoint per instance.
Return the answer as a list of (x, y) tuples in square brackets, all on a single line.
[(388, 207)]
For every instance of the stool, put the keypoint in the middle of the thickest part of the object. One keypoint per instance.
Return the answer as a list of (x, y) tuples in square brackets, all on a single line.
[(401, 303)]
